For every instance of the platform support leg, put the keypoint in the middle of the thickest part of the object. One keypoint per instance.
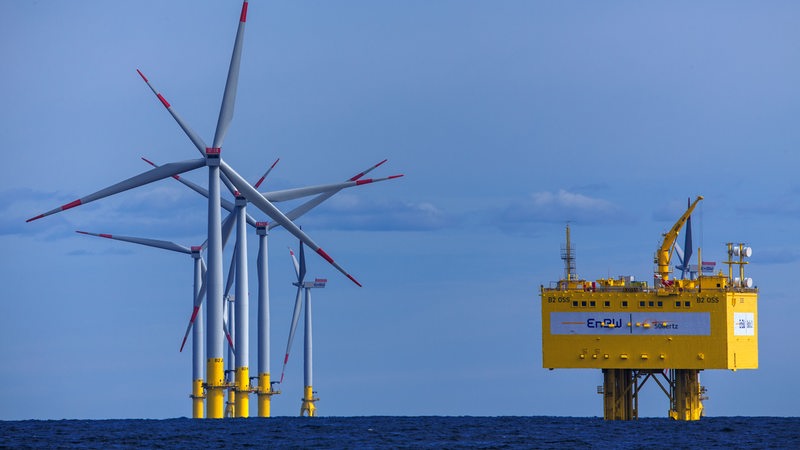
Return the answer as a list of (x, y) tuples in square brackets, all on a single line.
[(687, 395), (619, 394)]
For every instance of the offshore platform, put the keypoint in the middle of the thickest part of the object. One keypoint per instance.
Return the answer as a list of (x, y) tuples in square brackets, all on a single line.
[(667, 332)]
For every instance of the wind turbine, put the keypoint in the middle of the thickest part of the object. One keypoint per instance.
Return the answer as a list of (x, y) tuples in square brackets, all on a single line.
[(308, 407), (216, 168)]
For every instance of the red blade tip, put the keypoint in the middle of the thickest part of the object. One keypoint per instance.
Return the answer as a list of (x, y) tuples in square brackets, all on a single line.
[(243, 17), (354, 280)]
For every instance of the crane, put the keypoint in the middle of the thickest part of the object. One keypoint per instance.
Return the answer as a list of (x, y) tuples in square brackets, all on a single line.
[(664, 253)]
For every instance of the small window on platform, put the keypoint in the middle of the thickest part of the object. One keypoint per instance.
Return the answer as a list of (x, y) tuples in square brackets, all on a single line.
[(607, 304), (677, 304), (641, 304), (583, 303), (592, 303), (650, 303), (624, 303), (687, 304), (660, 303), (574, 303)]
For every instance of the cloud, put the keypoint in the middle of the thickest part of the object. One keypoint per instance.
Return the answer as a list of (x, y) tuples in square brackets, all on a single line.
[(348, 212), (561, 206)]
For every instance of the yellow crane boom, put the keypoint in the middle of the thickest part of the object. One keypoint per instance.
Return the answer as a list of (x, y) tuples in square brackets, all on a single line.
[(664, 253)]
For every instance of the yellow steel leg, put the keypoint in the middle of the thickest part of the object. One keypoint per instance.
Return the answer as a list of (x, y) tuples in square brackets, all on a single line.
[(265, 394), (618, 393), (197, 399), (215, 385), (308, 407), (242, 389), (687, 395)]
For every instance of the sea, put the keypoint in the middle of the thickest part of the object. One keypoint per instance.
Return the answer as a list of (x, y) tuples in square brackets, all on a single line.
[(383, 432)]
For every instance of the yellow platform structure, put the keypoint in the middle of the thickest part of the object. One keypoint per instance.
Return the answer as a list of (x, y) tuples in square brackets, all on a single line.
[(667, 332)]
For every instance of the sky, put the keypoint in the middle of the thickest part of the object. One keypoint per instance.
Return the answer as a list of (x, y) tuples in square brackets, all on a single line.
[(508, 119)]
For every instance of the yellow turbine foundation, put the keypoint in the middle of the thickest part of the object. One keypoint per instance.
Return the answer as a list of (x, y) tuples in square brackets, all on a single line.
[(197, 399), (242, 389), (265, 394), (308, 408), (215, 388)]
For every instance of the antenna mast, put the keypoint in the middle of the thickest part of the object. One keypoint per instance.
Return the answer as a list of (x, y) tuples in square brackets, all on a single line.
[(568, 255)]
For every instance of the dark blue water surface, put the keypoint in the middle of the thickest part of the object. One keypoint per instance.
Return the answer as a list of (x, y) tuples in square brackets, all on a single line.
[(405, 432)]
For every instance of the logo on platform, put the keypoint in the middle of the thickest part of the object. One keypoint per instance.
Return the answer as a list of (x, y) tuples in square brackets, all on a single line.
[(744, 324), (603, 323)]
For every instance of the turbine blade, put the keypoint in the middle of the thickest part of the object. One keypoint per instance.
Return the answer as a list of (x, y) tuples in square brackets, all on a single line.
[(257, 200), (229, 97), (296, 265), (198, 301), (196, 140), (361, 174), (316, 201), (226, 329), (229, 338), (291, 194), (687, 244), (227, 228), (295, 317), (305, 207), (302, 276), (231, 272), (166, 245), (167, 170), (679, 253), (261, 180), (193, 186)]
